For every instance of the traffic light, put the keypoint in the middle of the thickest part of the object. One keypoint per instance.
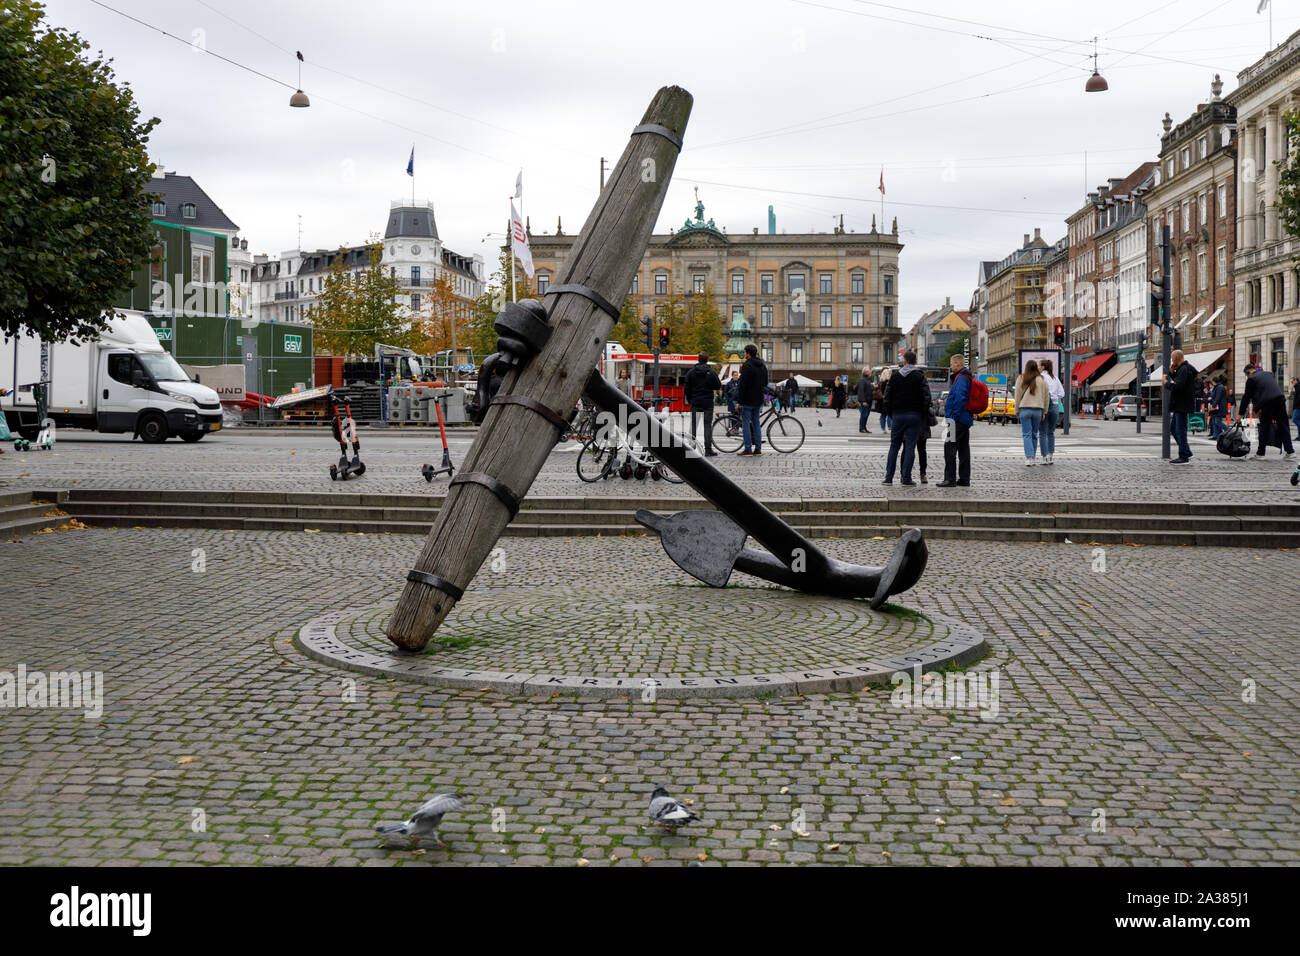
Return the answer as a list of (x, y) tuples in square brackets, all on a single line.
[(1177, 340), (1058, 334), (663, 338), (645, 332)]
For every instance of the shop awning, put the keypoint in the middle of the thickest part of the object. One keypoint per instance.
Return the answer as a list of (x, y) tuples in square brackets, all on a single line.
[(1203, 360), (1079, 372), (1121, 376), (1212, 319)]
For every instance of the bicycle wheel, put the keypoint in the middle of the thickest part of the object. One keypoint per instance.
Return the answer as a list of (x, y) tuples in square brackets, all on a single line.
[(785, 433), (594, 460), (726, 433), (666, 473)]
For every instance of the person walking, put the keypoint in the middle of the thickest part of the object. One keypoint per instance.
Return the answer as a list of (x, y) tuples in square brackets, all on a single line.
[(1055, 409), (792, 392), (1218, 406), (1031, 405), (749, 396), (1180, 393), (882, 383), (864, 394), (698, 387), (1266, 395), (837, 395), (729, 392), (956, 445), (1293, 404), (907, 404)]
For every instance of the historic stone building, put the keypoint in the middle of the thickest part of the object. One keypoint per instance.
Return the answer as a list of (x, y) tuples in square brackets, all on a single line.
[(1267, 326), (817, 304), (933, 332), (1011, 310)]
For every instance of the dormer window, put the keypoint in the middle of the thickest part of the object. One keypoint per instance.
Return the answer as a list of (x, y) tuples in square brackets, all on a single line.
[(158, 209), (188, 210)]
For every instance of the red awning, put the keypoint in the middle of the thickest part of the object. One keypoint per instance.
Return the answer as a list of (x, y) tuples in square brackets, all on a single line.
[(1080, 373)]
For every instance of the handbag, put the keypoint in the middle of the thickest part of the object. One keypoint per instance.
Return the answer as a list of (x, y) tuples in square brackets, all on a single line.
[(934, 419), (1060, 407)]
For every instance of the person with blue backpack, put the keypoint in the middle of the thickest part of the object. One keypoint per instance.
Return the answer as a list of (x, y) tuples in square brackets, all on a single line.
[(956, 409)]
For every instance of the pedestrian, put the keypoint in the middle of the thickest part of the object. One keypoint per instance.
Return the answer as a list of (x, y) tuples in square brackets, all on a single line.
[(837, 395), (1293, 403), (1218, 407), (864, 393), (729, 392), (1031, 404), (697, 388), (792, 391), (1180, 394), (1263, 392), (907, 402), (749, 396), (1055, 409), (883, 383), (5, 434), (956, 444)]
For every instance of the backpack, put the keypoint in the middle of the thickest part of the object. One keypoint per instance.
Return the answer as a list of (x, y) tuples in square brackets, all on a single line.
[(1233, 443), (978, 399)]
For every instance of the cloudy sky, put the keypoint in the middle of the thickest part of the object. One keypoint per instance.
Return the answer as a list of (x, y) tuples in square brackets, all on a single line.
[(976, 112)]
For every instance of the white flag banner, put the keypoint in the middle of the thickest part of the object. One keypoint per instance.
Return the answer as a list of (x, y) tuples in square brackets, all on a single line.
[(519, 186), (519, 241)]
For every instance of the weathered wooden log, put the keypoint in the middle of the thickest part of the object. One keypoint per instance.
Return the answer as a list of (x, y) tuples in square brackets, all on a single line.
[(519, 431)]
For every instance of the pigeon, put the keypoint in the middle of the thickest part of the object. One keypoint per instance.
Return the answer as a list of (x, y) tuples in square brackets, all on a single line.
[(426, 819), (667, 812)]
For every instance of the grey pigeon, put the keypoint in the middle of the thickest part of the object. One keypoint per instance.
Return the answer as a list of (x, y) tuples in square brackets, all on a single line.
[(667, 812), (425, 820)]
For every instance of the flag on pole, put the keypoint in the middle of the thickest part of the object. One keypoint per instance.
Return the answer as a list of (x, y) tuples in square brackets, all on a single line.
[(519, 241), (881, 187), (1262, 5), (519, 186), (410, 164)]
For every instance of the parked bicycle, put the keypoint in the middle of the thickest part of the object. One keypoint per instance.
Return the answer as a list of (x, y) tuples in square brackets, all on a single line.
[(610, 452), (784, 432)]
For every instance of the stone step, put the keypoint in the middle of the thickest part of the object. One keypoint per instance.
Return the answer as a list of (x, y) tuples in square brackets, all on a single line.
[(16, 527)]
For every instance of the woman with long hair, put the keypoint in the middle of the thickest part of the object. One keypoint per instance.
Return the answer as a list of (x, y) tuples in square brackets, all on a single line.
[(1055, 409), (1031, 405)]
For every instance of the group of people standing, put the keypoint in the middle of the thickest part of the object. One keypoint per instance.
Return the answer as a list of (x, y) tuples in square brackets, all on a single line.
[(906, 410), (1040, 404)]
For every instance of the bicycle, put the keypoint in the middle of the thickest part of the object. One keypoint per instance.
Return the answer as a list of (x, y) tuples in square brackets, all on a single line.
[(784, 432), (610, 452)]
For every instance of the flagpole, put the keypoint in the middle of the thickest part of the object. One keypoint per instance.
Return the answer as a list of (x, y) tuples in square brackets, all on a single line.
[(510, 245)]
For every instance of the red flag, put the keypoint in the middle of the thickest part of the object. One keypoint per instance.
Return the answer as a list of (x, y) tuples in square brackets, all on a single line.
[(882, 180)]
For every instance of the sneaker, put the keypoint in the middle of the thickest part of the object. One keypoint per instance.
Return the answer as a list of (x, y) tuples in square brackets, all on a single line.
[(1179, 461), (1029, 463), (1047, 459), (1289, 457)]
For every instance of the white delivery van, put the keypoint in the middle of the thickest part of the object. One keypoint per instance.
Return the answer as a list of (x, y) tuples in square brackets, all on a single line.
[(123, 382)]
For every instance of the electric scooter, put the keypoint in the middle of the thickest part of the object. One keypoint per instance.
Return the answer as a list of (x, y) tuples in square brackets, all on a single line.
[(345, 430), (446, 468)]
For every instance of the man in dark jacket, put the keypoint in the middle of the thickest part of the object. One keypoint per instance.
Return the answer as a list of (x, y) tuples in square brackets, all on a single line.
[(699, 385), (730, 390), (1218, 408), (907, 404), (865, 392), (792, 392), (956, 446), (1263, 392), (753, 385), (1180, 393)]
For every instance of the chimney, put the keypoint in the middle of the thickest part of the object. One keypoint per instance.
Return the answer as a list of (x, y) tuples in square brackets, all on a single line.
[(1026, 239), (947, 301), (1038, 235)]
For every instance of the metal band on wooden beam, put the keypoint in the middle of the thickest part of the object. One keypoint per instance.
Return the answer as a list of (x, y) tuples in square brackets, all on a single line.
[(506, 496), (442, 584), (587, 293), (523, 401), (663, 131)]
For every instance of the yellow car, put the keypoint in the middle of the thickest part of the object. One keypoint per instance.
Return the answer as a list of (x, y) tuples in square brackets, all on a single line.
[(1002, 406)]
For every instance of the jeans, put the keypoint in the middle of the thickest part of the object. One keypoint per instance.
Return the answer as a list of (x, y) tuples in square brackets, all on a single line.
[(864, 417), (1031, 420), (955, 451), (906, 431), (1295, 417), (749, 430), (885, 422), (1217, 427), (1047, 431), (706, 414), (1178, 430)]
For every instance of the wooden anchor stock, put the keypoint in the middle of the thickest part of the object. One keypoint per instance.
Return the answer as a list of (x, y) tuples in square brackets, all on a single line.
[(523, 421)]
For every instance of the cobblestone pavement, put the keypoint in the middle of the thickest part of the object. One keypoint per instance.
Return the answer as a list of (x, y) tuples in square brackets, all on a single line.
[(1104, 459), (1121, 734)]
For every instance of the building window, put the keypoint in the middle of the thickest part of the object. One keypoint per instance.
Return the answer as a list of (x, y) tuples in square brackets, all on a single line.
[(188, 210), (1279, 359), (824, 318), (1169, 168), (889, 315), (1223, 201), (858, 283), (1187, 215), (1201, 152), (1187, 156), (737, 313), (738, 283), (158, 209), (889, 285), (885, 353), (1200, 271), (543, 282), (1202, 203), (200, 266), (415, 302), (766, 351), (415, 275), (825, 283), (857, 317), (661, 283), (697, 283), (824, 353), (796, 352), (766, 283), (855, 353), (1185, 284), (798, 302), (765, 316), (636, 284)]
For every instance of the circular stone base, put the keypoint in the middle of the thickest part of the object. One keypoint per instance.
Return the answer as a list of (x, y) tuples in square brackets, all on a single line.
[(663, 640)]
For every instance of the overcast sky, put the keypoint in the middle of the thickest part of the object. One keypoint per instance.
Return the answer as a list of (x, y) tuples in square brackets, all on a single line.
[(797, 104)]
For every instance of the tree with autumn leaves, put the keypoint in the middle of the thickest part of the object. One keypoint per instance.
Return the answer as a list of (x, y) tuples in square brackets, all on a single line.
[(355, 310)]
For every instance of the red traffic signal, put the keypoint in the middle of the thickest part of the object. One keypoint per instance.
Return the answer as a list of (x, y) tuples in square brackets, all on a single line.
[(663, 337), (1059, 334)]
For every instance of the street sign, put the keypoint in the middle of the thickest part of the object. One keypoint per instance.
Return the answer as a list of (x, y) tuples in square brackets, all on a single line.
[(992, 379), (292, 343), (164, 335)]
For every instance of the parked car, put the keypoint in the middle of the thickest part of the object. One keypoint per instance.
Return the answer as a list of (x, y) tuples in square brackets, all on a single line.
[(1123, 406)]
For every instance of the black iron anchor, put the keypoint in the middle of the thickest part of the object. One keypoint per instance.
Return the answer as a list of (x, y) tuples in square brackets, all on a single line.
[(709, 545)]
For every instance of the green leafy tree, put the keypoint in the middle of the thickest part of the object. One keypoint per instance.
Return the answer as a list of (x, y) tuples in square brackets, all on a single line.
[(702, 327), (671, 313), (627, 330), (74, 213), (356, 310), (1288, 180), (956, 347)]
